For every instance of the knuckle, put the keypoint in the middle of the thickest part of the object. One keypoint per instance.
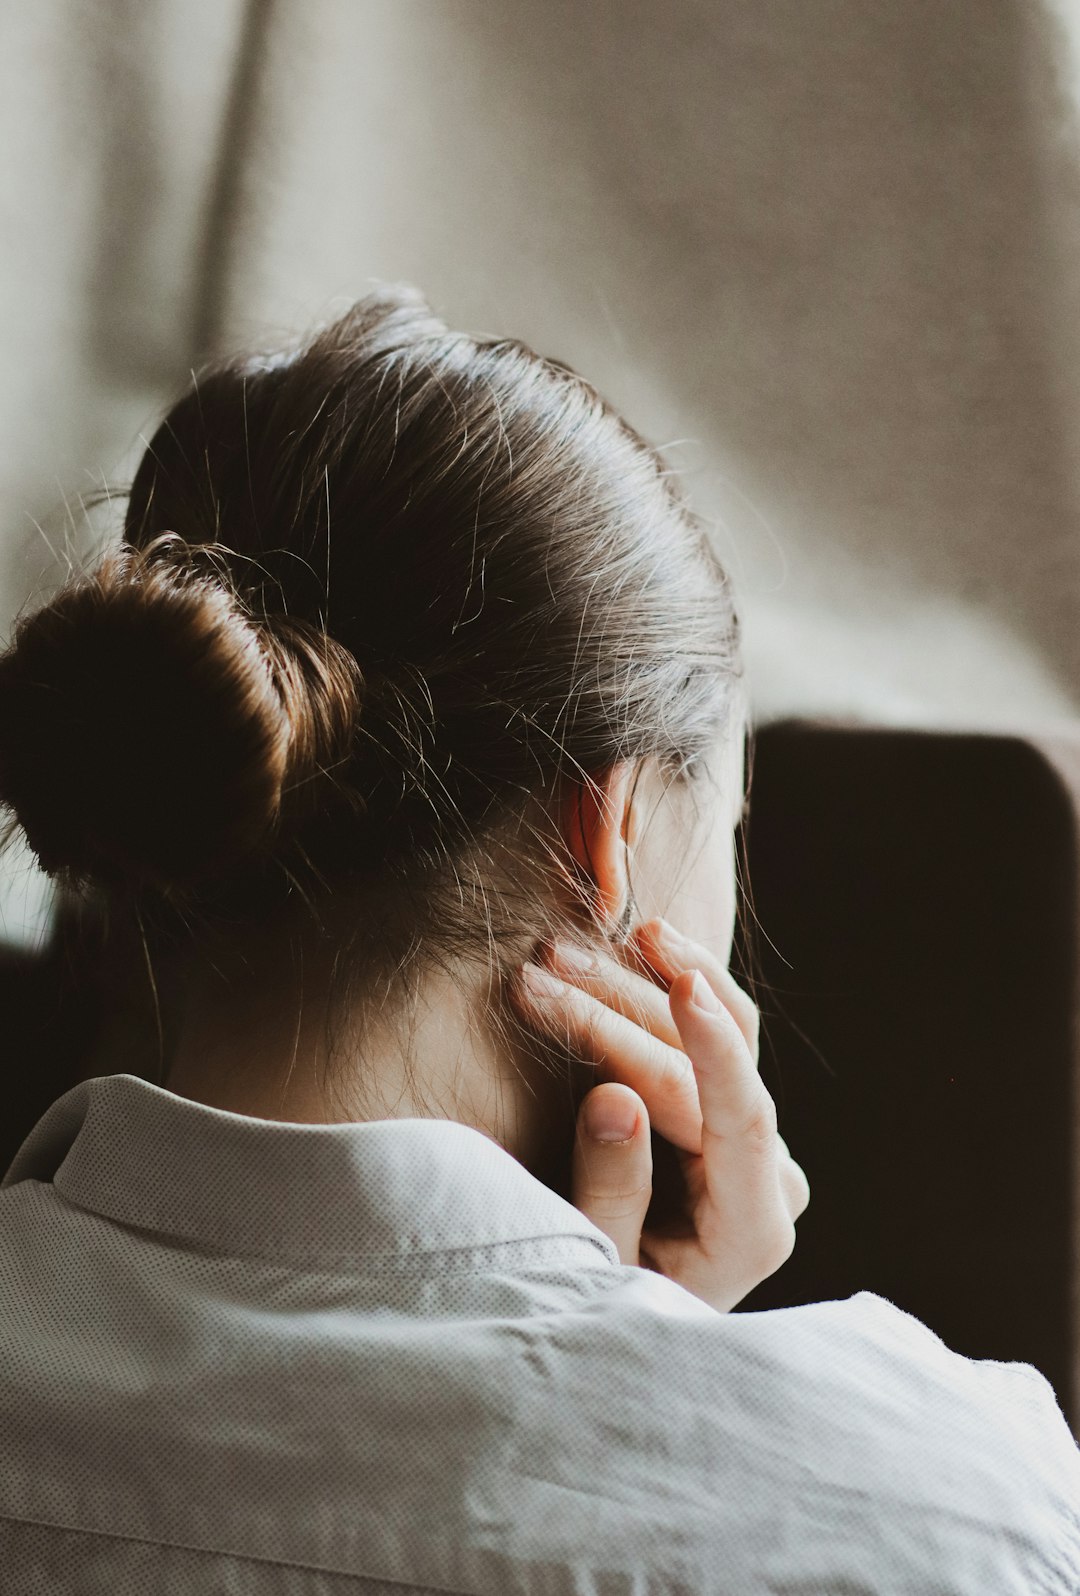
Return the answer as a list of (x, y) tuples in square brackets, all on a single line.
[(616, 1201), (674, 1069), (782, 1243), (760, 1123), (590, 1030), (775, 1243)]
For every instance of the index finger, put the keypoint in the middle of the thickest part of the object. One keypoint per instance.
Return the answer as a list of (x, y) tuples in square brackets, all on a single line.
[(661, 1075)]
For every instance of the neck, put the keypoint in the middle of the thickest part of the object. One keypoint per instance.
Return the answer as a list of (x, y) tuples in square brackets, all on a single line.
[(254, 1039)]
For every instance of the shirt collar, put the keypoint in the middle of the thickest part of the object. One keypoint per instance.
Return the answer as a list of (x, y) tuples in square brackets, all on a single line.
[(381, 1193)]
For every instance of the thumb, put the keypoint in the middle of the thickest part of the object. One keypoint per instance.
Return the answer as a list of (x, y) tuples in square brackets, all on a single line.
[(611, 1181)]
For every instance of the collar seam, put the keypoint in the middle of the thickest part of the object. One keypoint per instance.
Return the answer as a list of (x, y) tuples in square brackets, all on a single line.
[(383, 1264)]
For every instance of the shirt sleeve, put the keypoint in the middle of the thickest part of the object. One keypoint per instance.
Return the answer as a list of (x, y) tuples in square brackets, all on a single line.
[(842, 1446), (1007, 1462)]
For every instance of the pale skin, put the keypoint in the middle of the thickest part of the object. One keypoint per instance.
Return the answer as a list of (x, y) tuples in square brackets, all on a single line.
[(684, 1061), (682, 1066)]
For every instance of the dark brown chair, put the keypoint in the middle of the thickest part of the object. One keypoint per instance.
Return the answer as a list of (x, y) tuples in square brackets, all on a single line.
[(916, 903)]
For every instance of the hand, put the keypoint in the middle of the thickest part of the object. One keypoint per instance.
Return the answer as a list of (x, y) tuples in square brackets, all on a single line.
[(688, 1069)]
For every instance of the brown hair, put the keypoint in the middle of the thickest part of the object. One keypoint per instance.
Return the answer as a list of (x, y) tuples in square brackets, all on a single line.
[(378, 598)]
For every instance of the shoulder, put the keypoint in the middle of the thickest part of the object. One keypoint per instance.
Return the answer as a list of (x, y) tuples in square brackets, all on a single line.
[(850, 1414)]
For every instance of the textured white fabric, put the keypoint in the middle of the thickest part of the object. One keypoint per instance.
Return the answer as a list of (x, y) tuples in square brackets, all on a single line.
[(254, 1358)]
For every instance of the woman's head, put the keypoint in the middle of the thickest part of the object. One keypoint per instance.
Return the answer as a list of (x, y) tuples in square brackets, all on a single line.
[(388, 609)]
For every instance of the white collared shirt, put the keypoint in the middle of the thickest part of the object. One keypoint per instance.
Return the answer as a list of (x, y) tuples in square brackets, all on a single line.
[(254, 1358)]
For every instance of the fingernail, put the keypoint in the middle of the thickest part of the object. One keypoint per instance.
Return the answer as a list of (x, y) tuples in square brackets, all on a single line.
[(574, 958), (541, 983), (702, 994), (609, 1120)]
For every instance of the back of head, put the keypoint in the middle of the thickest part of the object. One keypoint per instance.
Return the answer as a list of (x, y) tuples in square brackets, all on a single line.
[(378, 598)]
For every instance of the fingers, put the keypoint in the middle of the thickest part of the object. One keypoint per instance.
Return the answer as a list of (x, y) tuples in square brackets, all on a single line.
[(703, 1093), (615, 1015), (612, 1166), (734, 1100), (793, 1181), (633, 992), (627, 977), (661, 1075), (745, 1213), (654, 952), (669, 952)]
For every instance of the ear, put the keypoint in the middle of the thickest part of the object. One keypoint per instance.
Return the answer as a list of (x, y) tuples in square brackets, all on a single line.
[(600, 828)]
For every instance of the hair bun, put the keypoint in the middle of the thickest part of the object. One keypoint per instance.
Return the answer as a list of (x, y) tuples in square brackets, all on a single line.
[(143, 737)]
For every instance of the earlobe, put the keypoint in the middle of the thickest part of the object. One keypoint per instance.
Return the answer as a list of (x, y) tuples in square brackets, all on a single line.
[(599, 830)]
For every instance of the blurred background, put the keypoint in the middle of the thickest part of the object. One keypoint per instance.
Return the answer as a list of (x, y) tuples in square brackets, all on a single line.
[(827, 252)]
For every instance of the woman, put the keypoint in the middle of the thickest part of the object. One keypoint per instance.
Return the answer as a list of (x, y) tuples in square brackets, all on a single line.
[(413, 687)]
